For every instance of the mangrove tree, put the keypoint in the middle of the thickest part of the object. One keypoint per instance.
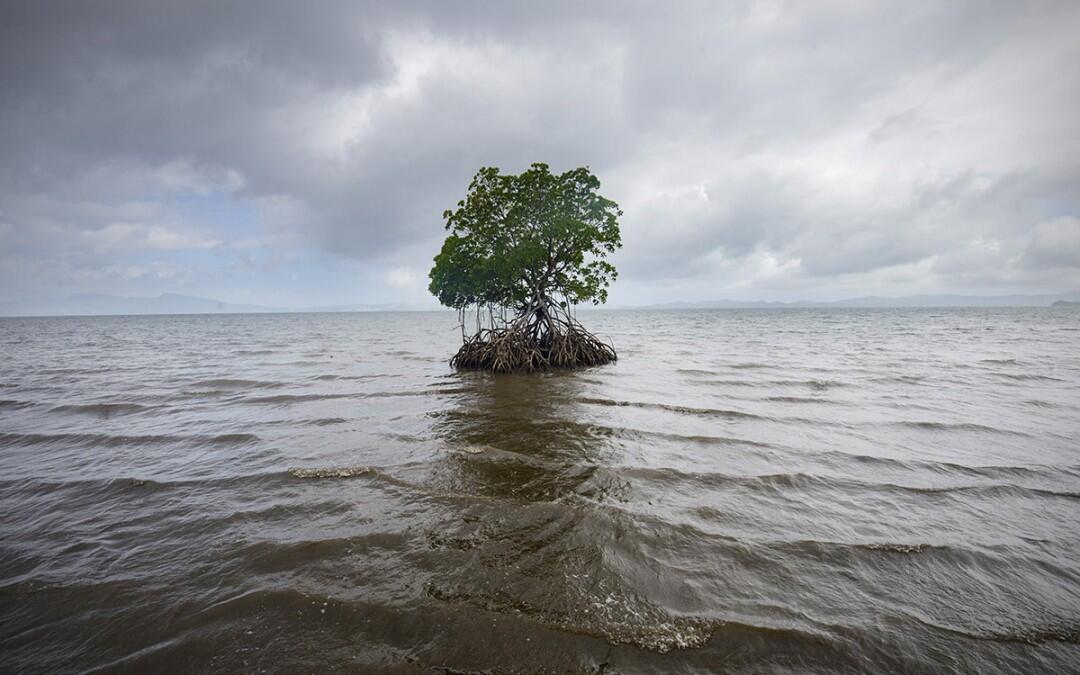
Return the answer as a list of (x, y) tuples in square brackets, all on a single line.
[(522, 252)]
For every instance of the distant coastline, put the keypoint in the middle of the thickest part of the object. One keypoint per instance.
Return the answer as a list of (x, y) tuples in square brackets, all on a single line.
[(171, 303), (941, 300), (96, 304)]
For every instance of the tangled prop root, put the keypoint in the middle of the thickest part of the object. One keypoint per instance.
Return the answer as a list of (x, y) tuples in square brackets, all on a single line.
[(515, 350)]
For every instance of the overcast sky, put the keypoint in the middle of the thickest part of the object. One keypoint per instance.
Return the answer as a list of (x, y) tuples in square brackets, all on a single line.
[(302, 153)]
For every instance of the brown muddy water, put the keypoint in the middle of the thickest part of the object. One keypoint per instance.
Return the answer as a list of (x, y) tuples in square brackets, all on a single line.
[(744, 491)]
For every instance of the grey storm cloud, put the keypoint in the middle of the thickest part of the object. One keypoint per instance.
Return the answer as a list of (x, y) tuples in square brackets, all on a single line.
[(772, 145)]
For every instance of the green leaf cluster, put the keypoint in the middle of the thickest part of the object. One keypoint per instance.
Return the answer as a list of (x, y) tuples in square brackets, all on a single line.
[(528, 238)]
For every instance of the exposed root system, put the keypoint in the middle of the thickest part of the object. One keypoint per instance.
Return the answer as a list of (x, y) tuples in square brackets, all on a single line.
[(525, 347), (511, 350)]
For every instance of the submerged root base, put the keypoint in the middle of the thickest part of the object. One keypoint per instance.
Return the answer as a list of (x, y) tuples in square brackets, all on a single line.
[(513, 350)]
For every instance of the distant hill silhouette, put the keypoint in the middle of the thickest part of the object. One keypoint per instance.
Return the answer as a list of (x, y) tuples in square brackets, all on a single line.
[(96, 304), (81, 304), (883, 301)]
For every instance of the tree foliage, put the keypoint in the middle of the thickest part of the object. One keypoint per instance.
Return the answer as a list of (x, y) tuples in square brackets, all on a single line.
[(528, 240), (534, 244)]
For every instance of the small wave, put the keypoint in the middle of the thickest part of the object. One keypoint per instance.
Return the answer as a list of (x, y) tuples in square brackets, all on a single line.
[(491, 453), (617, 618), (205, 393), (722, 382), (380, 477), (696, 438), (981, 471), (229, 439), (9, 404), (832, 549), (75, 371), (230, 383), (1060, 632), (957, 426), (476, 449), (710, 378), (1056, 630), (816, 385), (684, 410), (798, 480), (324, 421), (112, 441), (667, 475), (273, 556), (149, 484), (1000, 362), (695, 371), (1029, 377), (802, 399), (330, 377), (1036, 403), (333, 472), (1001, 489), (895, 548), (100, 409), (900, 379), (287, 399), (420, 392)]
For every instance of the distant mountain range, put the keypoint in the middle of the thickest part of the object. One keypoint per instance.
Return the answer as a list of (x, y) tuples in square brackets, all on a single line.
[(92, 304), (882, 301)]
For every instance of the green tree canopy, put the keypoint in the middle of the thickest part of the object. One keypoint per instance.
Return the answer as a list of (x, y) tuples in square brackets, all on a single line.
[(528, 242)]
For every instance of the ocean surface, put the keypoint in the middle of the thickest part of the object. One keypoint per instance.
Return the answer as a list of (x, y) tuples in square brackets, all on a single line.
[(743, 491)]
